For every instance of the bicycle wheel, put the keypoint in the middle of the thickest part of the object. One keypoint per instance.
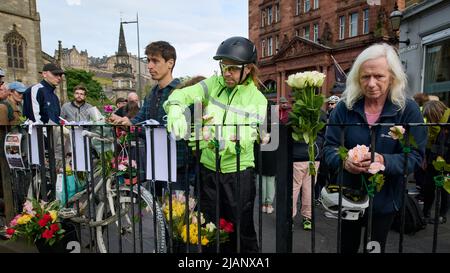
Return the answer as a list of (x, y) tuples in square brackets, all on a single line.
[(113, 237)]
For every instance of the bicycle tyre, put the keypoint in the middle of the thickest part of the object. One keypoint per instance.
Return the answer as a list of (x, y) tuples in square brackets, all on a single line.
[(110, 223)]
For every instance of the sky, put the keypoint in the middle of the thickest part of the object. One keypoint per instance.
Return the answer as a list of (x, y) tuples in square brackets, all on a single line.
[(195, 28)]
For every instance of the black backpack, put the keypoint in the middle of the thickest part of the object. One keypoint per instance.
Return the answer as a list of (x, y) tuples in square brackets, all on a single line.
[(414, 218)]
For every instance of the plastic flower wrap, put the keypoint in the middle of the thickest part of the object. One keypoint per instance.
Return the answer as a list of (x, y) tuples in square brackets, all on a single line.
[(38, 220), (95, 115), (180, 227)]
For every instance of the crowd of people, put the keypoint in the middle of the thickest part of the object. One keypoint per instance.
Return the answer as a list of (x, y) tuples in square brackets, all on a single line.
[(375, 93)]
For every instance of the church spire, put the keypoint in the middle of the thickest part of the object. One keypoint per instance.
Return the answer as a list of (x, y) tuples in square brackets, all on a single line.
[(122, 50)]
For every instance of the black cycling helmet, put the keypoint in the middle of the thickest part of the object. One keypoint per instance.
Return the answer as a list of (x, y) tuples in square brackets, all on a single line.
[(238, 49)]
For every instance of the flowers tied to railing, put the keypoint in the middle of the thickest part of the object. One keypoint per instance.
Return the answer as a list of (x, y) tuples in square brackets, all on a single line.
[(38, 220), (443, 179), (306, 110), (180, 229)]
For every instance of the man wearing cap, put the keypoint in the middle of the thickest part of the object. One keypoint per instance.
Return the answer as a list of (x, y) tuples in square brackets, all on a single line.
[(40, 101)]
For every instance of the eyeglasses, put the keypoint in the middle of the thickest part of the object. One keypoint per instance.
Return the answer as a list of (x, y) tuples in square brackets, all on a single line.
[(1, 83), (230, 67)]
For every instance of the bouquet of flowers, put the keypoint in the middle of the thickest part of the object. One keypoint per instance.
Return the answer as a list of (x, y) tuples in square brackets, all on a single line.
[(305, 115), (38, 220), (125, 170), (356, 155), (180, 227)]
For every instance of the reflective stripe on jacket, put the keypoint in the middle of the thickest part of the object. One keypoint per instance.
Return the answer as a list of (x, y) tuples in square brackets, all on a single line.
[(245, 104)]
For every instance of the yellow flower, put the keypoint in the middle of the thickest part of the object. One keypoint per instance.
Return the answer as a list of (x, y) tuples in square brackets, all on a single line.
[(205, 240), (193, 233), (24, 219), (54, 215)]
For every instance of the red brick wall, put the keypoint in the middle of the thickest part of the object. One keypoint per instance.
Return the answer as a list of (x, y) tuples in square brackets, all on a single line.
[(344, 51)]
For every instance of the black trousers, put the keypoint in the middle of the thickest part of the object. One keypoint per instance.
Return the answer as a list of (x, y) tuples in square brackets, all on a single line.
[(351, 231), (228, 205)]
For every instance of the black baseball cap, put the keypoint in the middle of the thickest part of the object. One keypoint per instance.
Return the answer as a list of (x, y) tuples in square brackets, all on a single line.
[(54, 68)]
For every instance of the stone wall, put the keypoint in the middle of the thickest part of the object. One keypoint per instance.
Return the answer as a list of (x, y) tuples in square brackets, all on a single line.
[(22, 13)]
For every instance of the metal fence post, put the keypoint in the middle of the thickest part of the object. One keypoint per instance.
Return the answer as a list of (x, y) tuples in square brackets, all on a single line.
[(284, 191)]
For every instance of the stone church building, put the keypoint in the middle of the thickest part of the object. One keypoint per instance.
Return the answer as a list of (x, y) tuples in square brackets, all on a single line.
[(21, 55)]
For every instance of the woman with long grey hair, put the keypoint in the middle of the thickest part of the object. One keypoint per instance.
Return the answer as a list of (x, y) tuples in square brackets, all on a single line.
[(375, 94)]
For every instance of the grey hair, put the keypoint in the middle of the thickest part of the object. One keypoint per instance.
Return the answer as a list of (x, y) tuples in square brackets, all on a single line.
[(353, 92)]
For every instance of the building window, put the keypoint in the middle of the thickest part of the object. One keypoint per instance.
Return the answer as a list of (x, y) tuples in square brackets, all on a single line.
[(269, 15), (306, 32), (269, 46), (341, 27), (316, 31), (437, 67), (365, 21), (298, 7), (263, 48), (16, 46), (307, 5), (277, 13), (263, 18), (277, 43), (316, 4), (353, 25), (297, 32)]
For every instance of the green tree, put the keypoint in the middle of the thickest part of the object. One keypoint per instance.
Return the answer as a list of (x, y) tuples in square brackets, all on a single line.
[(95, 94)]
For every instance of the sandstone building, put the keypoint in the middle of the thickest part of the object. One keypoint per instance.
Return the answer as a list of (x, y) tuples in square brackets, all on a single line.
[(300, 35)]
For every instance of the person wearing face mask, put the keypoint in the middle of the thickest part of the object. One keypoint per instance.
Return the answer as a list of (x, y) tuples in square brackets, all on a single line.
[(228, 99)]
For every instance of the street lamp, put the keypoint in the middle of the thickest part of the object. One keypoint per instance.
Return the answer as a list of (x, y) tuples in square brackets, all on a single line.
[(139, 52), (396, 17)]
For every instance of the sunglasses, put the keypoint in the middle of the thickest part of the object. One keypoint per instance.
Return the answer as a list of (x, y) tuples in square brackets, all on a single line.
[(230, 67), (1, 83)]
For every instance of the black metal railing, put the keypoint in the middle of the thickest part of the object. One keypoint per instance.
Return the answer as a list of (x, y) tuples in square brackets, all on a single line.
[(52, 150)]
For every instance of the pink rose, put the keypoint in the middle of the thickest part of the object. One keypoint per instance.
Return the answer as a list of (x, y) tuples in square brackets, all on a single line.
[(375, 167), (357, 154), (396, 132)]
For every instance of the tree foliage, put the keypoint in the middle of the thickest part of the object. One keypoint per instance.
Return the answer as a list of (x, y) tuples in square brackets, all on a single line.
[(95, 93)]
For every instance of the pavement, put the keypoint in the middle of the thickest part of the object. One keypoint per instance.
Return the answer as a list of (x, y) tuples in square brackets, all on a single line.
[(325, 237)]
